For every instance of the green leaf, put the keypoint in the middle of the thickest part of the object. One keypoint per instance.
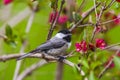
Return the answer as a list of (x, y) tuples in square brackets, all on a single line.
[(95, 64), (13, 44), (75, 69), (117, 5), (85, 63), (53, 4), (76, 16), (91, 76), (8, 31), (117, 62)]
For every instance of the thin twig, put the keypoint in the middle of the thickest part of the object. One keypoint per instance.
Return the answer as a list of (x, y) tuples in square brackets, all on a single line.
[(81, 6), (87, 24), (97, 22), (111, 46), (107, 66), (30, 21), (111, 3), (95, 9), (104, 7), (81, 20), (73, 65), (102, 23), (55, 21)]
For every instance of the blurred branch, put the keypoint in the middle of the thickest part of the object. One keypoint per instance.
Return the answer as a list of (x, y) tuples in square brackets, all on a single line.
[(102, 23), (81, 6), (97, 22), (55, 21), (30, 21), (81, 20), (107, 66), (59, 71), (111, 3), (110, 46), (95, 8), (3, 36), (18, 64), (16, 19), (32, 68)]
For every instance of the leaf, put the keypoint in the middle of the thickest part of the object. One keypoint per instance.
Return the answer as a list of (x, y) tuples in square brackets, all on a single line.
[(8, 31), (53, 4), (117, 5), (91, 76), (117, 62), (76, 16), (13, 44), (75, 69), (85, 63), (95, 64)]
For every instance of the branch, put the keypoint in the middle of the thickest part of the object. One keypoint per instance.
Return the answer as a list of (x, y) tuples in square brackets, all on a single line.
[(95, 8), (107, 66), (31, 69), (17, 55), (30, 21), (3, 36), (111, 3), (97, 22), (111, 46), (38, 55), (109, 21), (103, 8), (81, 6), (59, 71), (18, 64), (87, 14), (55, 21)]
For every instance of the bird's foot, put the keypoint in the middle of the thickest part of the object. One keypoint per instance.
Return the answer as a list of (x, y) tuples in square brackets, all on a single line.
[(61, 58)]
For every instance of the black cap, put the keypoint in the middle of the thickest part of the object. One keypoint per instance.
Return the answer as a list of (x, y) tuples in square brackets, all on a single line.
[(64, 31)]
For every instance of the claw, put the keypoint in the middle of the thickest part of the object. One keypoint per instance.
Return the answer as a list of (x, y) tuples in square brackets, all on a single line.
[(61, 58)]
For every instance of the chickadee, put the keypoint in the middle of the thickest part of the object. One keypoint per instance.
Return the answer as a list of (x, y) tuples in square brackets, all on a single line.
[(56, 46)]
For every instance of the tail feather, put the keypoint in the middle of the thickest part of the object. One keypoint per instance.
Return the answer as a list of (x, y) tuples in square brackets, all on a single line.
[(24, 56)]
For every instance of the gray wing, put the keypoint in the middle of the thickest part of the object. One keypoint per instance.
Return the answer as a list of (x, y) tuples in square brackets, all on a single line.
[(51, 44)]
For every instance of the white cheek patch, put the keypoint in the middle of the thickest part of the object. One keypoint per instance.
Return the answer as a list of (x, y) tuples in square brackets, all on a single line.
[(69, 44), (59, 35)]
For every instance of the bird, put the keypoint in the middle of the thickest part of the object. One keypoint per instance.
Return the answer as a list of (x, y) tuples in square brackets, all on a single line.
[(56, 46)]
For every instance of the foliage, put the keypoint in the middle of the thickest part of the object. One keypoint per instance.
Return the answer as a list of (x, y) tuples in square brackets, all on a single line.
[(92, 56)]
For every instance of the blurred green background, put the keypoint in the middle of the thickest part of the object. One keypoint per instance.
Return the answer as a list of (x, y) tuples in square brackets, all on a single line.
[(37, 35)]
